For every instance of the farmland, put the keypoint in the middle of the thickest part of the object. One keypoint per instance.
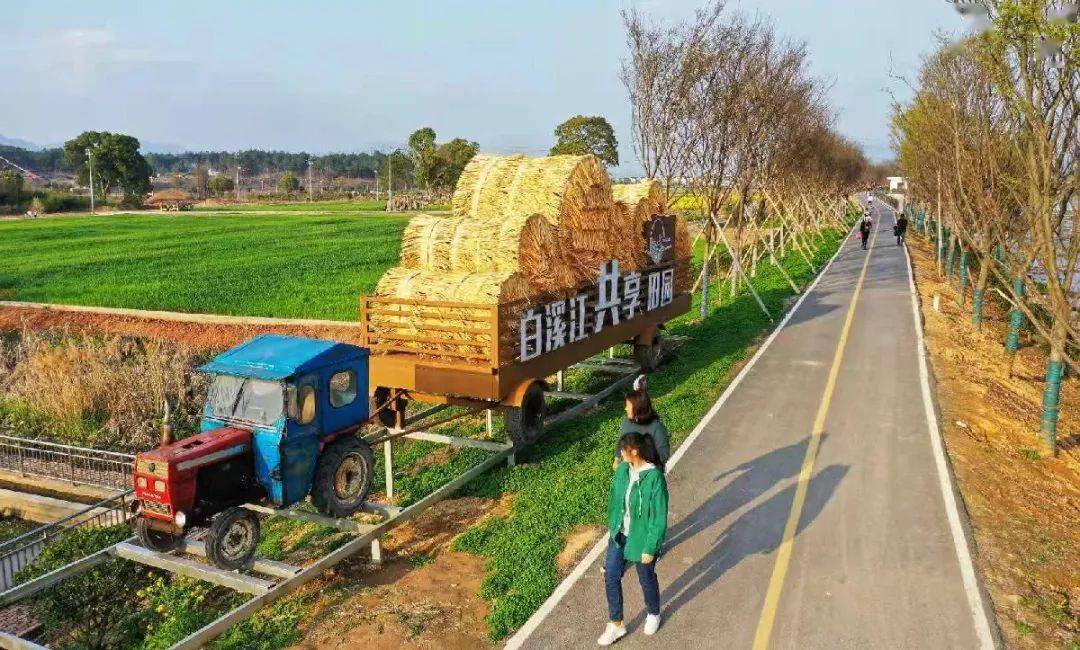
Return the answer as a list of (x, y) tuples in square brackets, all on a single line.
[(299, 206), (270, 264)]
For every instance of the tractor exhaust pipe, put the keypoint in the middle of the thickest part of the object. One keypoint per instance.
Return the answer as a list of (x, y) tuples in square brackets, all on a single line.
[(166, 425)]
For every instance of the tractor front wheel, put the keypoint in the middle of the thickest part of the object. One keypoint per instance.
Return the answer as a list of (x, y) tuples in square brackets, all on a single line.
[(233, 536), (156, 540), (525, 423), (343, 477)]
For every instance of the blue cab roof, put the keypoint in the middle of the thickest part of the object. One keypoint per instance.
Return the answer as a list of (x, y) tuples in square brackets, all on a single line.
[(275, 357)]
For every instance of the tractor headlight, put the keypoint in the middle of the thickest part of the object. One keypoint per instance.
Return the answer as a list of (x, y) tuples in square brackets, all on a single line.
[(159, 486), (141, 482), (180, 519)]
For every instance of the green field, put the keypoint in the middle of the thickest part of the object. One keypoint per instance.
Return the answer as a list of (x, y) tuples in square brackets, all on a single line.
[(367, 205), (271, 264)]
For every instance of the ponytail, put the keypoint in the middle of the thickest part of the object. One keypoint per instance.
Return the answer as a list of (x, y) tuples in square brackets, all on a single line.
[(644, 445)]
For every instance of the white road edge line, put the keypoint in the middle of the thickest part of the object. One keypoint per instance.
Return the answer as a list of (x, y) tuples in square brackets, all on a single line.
[(952, 512), (571, 579)]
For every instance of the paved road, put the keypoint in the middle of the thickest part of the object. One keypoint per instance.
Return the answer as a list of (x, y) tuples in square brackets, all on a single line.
[(871, 560)]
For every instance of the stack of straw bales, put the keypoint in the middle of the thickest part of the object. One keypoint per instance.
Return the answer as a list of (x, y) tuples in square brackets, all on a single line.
[(522, 227)]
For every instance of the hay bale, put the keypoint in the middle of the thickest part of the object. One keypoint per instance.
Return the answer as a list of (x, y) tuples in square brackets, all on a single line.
[(478, 288), (572, 192), (636, 202), (527, 244)]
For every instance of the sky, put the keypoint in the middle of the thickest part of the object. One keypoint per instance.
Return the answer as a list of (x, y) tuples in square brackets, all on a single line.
[(322, 76)]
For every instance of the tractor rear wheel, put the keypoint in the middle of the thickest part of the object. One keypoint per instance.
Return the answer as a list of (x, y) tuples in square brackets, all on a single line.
[(233, 536), (343, 477), (156, 540), (525, 423), (649, 356)]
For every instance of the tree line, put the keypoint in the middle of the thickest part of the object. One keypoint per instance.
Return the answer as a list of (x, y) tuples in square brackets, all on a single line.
[(725, 111), (990, 145)]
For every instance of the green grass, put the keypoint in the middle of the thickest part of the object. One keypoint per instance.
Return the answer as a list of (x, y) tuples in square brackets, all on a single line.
[(252, 265), (366, 205)]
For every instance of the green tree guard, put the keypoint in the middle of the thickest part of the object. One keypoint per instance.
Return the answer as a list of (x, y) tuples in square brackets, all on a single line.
[(949, 259), (1016, 319), (1051, 395), (963, 279)]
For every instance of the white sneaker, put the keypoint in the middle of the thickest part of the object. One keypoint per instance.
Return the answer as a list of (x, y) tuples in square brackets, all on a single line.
[(612, 633), (652, 624)]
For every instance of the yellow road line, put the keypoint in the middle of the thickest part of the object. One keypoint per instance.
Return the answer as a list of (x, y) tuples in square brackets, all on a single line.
[(783, 556)]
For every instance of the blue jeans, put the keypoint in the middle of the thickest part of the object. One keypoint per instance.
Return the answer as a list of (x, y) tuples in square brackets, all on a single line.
[(615, 567)]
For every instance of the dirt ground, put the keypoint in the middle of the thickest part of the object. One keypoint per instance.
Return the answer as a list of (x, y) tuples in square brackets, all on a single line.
[(203, 336), (424, 595), (1024, 506)]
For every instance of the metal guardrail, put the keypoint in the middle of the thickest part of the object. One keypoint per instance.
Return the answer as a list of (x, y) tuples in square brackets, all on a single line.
[(77, 465), (20, 551)]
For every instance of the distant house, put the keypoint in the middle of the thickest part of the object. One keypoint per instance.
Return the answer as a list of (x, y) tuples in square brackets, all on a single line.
[(171, 200), (897, 184)]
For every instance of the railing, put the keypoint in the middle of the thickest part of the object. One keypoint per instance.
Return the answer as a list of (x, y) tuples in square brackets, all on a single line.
[(20, 551), (77, 465)]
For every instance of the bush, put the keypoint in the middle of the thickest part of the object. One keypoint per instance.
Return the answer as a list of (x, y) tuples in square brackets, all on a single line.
[(53, 201), (94, 609)]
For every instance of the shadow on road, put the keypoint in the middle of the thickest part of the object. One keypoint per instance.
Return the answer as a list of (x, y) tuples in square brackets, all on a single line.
[(758, 531), (751, 479)]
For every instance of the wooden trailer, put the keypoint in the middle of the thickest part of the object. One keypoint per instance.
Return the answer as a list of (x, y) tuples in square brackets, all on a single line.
[(500, 356)]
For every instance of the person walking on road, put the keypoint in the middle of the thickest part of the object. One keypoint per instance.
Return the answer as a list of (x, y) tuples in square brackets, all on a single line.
[(637, 525), (900, 229), (641, 418), (864, 228)]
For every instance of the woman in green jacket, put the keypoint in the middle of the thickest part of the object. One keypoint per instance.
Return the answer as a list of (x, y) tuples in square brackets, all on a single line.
[(637, 524), (641, 418)]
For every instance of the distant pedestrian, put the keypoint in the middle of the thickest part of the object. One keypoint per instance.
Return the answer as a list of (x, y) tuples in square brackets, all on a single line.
[(637, 525), (865, 226), (900, 229), (641, 418)]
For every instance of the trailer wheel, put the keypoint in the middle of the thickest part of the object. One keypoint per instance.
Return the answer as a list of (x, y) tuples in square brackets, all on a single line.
[(343, 477), (648, 356), (233, 536), (525, 423), (156, 540), (388, 415)]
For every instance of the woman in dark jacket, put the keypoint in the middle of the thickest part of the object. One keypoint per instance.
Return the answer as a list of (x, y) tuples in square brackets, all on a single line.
[(641, 418)]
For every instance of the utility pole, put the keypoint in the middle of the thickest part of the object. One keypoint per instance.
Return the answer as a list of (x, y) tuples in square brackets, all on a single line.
[(237, 184), (309, 187), (390, 180), (90, 160)]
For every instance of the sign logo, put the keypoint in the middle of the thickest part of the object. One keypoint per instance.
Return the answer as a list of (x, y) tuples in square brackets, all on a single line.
[(660, 239)]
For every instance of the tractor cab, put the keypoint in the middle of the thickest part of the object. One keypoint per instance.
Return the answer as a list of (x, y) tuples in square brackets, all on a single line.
[(280, 422), (294, 395)]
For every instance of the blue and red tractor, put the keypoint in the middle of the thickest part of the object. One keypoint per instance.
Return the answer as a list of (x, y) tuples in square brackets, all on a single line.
[(280, 423)]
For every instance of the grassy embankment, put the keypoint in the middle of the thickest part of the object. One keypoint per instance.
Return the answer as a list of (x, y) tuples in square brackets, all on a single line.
[(267, 265)]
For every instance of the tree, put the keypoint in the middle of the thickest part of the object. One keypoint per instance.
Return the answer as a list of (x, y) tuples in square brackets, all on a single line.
[(288, 183), (200, 181), (400, 166), (116, 163), (11, 187), (581, 135), (221, 185), (452, 158), (423, 152)]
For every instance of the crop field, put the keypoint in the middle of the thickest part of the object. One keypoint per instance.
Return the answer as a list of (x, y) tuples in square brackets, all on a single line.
[(368, 205), (273, 264)]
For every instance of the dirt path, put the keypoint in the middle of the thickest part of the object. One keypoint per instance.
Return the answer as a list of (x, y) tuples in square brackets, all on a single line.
[(424, 596), (1024, 508)]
